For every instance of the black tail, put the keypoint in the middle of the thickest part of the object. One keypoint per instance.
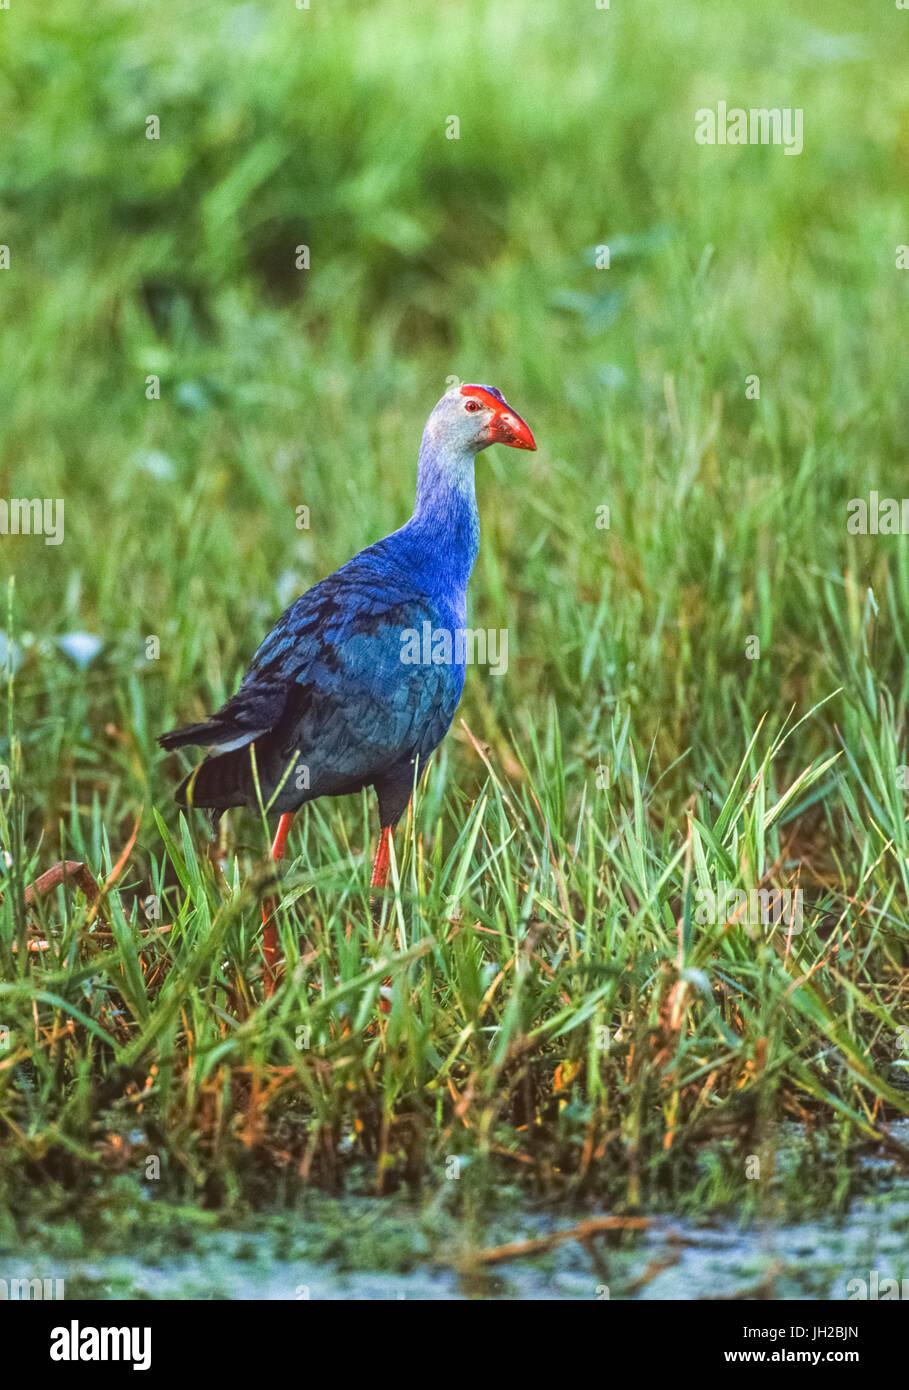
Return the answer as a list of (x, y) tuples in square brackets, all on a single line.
[(221, 781), (255, 709), (209, 732), (225, 779)]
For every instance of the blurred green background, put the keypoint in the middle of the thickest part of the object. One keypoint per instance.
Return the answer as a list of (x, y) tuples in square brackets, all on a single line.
[(430, 257), (473, 257)]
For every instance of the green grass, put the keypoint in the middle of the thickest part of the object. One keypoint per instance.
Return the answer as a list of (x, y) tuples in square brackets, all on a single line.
[(558, 1013)]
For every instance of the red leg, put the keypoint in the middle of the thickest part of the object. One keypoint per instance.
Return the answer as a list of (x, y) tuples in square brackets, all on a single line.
[(382, 861), (381, 865), (270, 934), (279, 848)]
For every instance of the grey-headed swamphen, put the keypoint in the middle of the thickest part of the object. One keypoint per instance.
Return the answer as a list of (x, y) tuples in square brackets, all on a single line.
[(333, 700)]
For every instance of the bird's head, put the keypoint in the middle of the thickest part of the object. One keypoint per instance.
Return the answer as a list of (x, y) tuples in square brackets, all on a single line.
[(470, 418)]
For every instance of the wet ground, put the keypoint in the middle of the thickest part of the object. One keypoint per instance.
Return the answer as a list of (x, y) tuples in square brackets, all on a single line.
[(374, 1249), (672, 1260)]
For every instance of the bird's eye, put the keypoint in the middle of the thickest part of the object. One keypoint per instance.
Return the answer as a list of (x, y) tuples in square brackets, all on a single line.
[(472, 406)]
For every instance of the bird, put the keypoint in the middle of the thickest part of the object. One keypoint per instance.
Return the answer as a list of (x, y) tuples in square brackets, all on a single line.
[(340, 695)]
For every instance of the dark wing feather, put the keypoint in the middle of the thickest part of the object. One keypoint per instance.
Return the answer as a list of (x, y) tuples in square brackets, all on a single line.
[(328, 686)]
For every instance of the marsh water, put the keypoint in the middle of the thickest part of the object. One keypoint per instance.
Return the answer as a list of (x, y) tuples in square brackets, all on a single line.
[(365, 1248)]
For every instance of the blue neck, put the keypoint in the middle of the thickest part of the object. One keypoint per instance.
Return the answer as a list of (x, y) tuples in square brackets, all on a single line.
[(445, 526)]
